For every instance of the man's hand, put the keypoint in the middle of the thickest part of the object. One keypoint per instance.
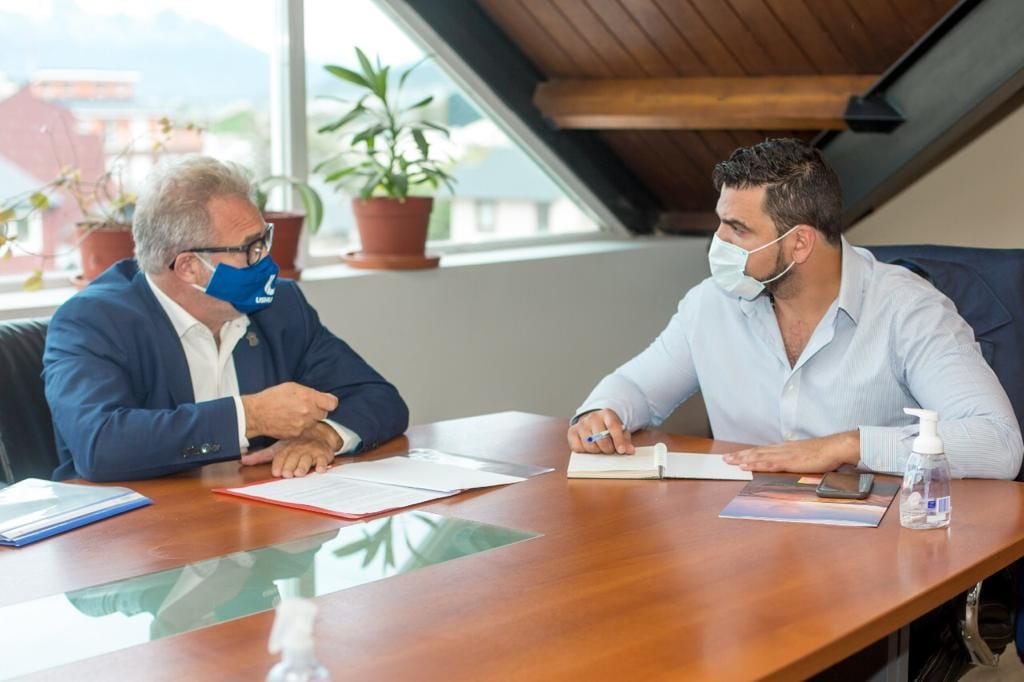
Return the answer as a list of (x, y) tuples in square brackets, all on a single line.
[(313, 450), (618, 439), (285, 410), (811, 456)]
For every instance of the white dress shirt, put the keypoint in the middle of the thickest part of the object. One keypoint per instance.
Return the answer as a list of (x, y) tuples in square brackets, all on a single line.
[(890, 340), (212, 368)]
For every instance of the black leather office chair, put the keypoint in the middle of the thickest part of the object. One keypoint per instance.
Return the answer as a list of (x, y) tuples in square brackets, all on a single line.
[(987, 287), (27, 447)]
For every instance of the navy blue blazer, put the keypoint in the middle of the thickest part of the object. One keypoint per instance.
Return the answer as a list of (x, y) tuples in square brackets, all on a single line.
[(119, 389), (987, 287)]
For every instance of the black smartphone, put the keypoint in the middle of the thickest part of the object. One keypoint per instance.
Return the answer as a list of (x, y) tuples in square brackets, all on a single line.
[(846, 485)]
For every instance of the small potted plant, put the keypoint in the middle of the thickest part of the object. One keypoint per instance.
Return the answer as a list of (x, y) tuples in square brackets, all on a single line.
[(386, 158), (103, 234), (287, 225)]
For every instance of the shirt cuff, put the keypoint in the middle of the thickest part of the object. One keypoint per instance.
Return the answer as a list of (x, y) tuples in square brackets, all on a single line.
[(885, 449), (243, 442), (619, 408), (349, 439)]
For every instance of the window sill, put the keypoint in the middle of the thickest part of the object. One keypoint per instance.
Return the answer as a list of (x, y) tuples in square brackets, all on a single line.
[(15, 303)]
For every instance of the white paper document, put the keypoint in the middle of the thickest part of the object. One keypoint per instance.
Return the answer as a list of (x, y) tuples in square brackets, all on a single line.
[(337, 495), (414, 473), (697, 465)]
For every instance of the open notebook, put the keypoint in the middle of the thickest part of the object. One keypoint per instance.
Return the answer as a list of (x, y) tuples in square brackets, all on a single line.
[(654, 462)]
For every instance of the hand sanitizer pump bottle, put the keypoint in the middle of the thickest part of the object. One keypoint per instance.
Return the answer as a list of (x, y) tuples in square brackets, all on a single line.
[(292, 636), (924, 497)]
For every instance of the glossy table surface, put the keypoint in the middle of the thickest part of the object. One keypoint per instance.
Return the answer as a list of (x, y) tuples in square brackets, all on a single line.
[(625, 579)]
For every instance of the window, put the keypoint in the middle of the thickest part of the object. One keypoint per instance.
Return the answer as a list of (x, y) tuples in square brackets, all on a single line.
[(97, 103), (486, 215), (543, 217), (88, 82), (499, 194), (29, 231)]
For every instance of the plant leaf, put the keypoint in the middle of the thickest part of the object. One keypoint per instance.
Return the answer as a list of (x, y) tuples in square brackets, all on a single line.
[(421, 142), (367, 135), (350, 116), (34, 281), (347, 75), (368, 71), (313, 205), (405, 74), (432, 126), (422, 103), (400, 185), (39, 201)]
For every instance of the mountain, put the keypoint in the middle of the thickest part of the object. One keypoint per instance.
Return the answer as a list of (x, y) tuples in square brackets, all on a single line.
[(180, 61)]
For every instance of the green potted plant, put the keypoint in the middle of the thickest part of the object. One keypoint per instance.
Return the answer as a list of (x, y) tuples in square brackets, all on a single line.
[(386, 157), (104, 234), (287, 225)]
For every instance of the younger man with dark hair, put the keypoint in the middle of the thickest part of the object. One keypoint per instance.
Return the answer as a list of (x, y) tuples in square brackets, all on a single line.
[(806, 346)]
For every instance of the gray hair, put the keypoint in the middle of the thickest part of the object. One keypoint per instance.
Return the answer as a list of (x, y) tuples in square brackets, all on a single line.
[(171, 215)]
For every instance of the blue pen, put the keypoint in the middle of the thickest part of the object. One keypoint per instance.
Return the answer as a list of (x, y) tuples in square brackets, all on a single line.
[(598, 436)]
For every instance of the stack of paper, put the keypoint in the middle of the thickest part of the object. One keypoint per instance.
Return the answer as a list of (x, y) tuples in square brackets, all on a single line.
[(360, 489), (34, 509)]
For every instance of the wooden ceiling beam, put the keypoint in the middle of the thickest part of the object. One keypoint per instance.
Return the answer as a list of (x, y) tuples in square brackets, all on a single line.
[(718, 103)]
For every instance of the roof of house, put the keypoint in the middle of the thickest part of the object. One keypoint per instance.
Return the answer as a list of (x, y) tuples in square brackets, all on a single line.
[(503, 174), (14, 180)]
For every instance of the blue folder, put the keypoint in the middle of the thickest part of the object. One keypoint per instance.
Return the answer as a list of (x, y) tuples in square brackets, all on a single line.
[(34, 509)]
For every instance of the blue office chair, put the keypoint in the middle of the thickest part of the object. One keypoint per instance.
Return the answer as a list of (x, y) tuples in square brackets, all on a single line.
[(987, 287), (27, 446)]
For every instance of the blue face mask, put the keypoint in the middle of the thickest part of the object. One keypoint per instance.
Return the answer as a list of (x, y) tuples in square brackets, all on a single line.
[(248, 289)]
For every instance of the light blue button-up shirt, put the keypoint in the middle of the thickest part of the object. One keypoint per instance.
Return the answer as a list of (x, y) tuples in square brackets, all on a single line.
[(890, 340)]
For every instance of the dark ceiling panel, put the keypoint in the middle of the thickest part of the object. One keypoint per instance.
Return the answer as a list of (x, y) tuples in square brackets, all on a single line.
[(737, 36), (787, 57), (663, 34), (645, 52), (532, 37), (819, 46), (586, 61), (690, 25), (601, 39), (852, 38)]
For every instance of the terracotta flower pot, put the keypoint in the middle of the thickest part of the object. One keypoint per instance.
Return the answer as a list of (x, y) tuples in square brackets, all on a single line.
[(389, 227), (102, 245), (287, 230)]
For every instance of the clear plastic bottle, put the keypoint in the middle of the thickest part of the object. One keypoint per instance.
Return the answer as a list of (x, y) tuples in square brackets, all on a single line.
[(292, 635), (925, 495)]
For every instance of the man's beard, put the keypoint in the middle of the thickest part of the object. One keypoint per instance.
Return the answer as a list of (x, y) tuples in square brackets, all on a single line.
[(785, 286)]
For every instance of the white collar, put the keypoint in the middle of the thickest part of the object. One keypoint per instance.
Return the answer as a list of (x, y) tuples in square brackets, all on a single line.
[(181, 319)]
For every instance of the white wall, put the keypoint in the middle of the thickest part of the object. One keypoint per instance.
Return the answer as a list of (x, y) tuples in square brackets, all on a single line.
[(531, 333), (974, 198), (528, 329)]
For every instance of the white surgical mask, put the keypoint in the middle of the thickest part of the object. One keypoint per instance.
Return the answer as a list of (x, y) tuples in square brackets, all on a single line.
[(729, 264)]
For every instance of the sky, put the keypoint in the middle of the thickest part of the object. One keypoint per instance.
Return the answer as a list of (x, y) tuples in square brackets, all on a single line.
[(329, 23)]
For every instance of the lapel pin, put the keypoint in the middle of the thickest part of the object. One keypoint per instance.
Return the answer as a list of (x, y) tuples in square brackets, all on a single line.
[(252, 339)]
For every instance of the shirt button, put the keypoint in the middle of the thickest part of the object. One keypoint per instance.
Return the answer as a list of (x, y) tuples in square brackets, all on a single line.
[(790, 387)]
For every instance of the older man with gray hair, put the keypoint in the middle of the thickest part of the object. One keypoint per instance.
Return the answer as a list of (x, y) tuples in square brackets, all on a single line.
[(195, 352)]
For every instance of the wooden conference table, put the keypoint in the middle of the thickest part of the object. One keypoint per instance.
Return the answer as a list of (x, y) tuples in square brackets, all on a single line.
[(630, 579)]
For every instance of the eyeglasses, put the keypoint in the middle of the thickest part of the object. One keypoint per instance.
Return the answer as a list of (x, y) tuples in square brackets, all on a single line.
[(254, 249)]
